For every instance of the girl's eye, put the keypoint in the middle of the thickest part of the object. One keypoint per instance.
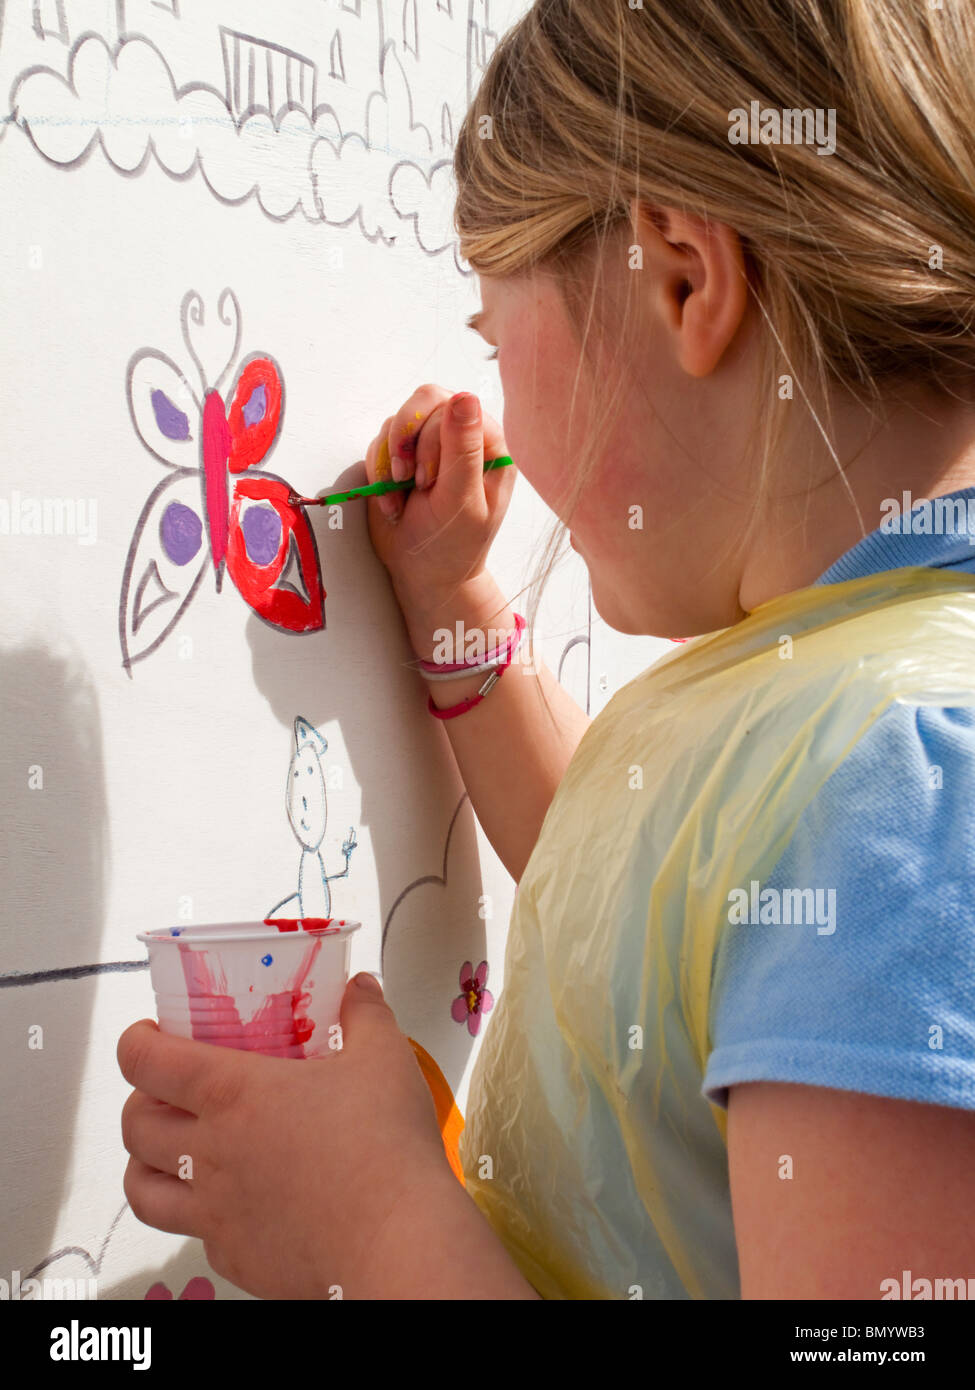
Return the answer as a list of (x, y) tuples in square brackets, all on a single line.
[(492, 356)]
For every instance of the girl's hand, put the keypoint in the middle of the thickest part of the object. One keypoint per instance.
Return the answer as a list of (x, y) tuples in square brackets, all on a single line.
[(288, 1173), (435, 538)]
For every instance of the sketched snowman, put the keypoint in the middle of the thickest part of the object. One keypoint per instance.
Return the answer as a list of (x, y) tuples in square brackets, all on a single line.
[(307, 812)]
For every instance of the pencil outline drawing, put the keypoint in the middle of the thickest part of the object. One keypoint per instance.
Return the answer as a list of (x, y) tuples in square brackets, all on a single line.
[(362, 159), (306, 804)]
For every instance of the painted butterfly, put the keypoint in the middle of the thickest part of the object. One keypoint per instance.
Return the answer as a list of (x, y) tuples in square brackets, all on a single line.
[(212, 509)]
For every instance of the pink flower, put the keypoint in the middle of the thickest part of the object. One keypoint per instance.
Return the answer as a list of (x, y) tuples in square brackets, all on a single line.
[(196, 1288), (475, 1000)]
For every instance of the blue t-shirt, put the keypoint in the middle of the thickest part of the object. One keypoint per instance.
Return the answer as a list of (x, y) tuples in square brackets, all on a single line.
[(873, 988)]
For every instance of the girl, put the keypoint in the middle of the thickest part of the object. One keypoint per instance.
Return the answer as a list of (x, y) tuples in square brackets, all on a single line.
[(734, 1055)]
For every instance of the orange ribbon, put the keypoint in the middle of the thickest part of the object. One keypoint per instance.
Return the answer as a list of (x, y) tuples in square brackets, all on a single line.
[(449, 1118)]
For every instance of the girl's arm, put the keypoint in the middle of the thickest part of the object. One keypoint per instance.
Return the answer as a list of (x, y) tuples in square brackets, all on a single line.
[(877, 1187), (511, 754), (436, 1244), (510, 751)]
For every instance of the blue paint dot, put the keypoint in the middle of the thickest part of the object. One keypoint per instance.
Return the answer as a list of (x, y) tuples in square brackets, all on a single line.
[(266, 960), (176, 931)]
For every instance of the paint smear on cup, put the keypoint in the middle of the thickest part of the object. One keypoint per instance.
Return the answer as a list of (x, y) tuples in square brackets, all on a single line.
[(280, 1027)]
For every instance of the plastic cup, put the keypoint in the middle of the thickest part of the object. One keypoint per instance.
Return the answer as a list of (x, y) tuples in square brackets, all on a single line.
[(252, 986)]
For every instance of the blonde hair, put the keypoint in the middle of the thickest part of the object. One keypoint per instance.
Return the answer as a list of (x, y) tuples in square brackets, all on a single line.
[(588, 105)]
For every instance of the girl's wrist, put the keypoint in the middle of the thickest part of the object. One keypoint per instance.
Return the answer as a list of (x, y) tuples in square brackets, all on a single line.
[(436, 1244), (447, 628)]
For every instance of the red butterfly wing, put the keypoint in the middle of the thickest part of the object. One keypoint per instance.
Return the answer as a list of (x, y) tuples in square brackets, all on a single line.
[(255, 413), (272, 555), (271, 551)]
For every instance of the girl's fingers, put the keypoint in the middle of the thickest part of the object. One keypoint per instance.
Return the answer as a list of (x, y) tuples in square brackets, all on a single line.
[(160, 1200), (378, 469), (407, 424), (499, 482), (439, 436), (495, 447), (159, 1135), (377, 455), (416, 441), (461, 472), (428, 448)]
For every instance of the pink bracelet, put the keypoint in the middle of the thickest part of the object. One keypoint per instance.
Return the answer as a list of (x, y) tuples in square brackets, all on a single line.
[(470, 702), (447, 670), (492, 680)]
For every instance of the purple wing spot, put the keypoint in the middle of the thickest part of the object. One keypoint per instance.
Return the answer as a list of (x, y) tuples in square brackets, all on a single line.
[(255, 407), (262, 533), (181, 533), (170, 419)]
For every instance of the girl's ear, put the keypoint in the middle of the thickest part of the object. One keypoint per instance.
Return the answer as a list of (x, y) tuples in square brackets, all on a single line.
[(307, 733)]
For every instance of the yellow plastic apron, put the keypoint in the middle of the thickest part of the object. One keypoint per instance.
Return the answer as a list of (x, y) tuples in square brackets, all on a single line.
[(587, 1143)]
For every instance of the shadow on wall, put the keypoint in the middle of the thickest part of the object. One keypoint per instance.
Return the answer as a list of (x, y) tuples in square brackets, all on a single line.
[(411, 791), (53, 857)]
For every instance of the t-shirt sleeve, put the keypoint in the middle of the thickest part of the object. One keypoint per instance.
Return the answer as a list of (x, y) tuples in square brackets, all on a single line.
[(866, 982)]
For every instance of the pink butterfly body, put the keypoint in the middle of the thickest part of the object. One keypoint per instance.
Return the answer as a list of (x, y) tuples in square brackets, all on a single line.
[(214, 509)]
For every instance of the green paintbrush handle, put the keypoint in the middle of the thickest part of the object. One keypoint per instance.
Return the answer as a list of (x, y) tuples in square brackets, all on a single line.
[(377, 489)]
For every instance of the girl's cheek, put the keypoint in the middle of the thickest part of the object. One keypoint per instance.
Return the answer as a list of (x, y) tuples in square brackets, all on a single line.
[(532, 419), (511, 424), (521, 392)]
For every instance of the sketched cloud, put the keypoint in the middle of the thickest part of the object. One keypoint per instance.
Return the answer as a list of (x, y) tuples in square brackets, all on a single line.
[(267, 159), (126, 101), (428, 198), (355, 175), (347, 185)]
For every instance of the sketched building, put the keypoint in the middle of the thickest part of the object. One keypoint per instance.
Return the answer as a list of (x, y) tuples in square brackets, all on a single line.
[(265, 76), (304, 54), (307, 53), (482, 40)]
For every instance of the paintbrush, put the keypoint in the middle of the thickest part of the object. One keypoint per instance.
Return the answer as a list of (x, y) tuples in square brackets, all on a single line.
[(375, 489)]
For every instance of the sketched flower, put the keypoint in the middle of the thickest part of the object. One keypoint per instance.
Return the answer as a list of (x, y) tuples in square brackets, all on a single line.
[(475, 999)]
